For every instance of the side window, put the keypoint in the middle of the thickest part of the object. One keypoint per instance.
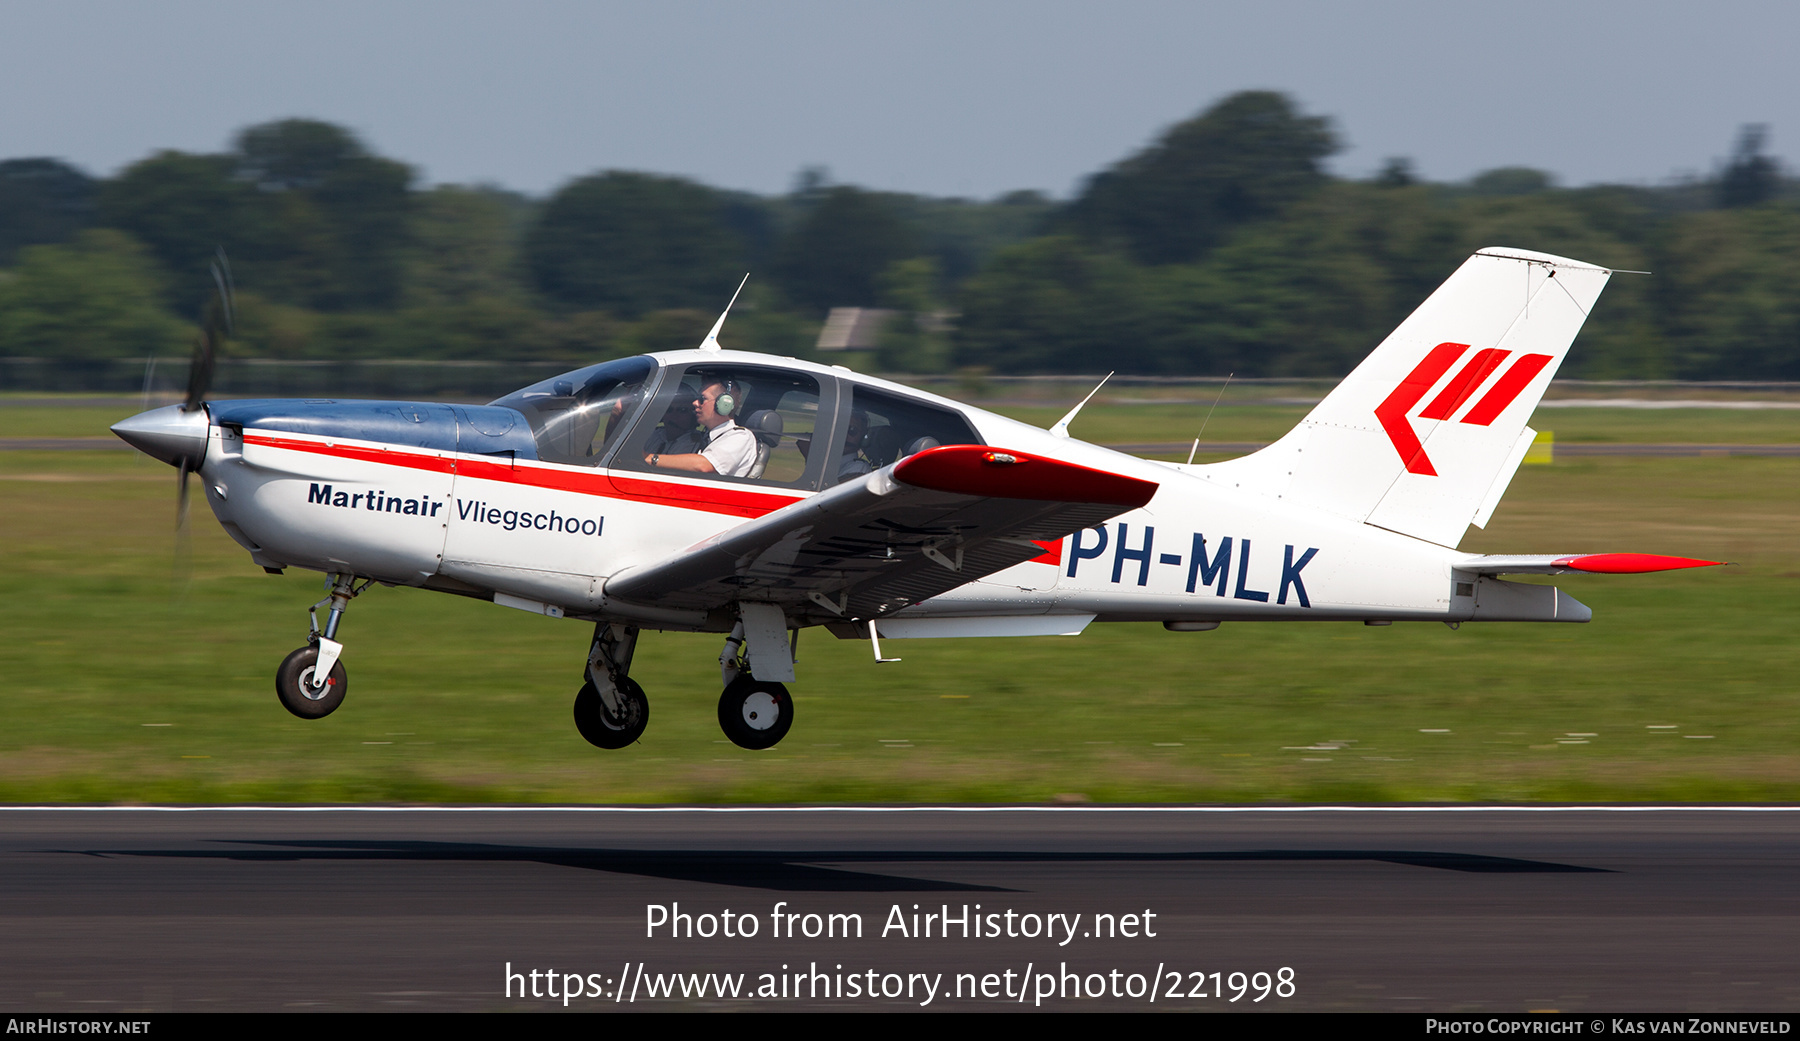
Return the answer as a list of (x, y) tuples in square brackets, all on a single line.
[(883, 428), (729, 422), (578, 417)]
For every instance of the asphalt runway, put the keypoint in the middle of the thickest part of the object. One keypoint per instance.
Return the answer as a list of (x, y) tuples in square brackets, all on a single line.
[(116, 911)]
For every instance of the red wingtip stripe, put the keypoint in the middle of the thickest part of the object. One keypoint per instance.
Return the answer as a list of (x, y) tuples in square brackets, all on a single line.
[(1630, 563), (968, 470)]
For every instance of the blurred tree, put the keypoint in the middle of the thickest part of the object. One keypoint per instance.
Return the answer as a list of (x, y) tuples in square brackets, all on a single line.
[(462, 245), (307, 216), (295, 154), (1053, 304), (916, 338), (1242, 160), (1511, 180), (95, 297), (183, 207), (835, 256), (336, 213), (633, 243), (1751, 177), (41, 201), (1397, 172), (1730, 294)]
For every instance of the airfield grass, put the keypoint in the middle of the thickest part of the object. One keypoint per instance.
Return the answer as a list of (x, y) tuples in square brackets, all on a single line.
[(126, 687)]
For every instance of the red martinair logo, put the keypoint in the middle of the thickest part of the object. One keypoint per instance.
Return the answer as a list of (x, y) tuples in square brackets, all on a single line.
[(1461, 387)]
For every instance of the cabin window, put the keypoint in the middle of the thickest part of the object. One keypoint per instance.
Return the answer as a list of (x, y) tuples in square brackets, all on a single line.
[(759, 419), (883, 428), (578, 417)]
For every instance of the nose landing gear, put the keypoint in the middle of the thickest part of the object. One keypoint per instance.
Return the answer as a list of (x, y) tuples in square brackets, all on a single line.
[(311, 682)]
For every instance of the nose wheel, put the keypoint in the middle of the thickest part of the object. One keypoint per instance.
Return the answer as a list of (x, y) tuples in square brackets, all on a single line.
[(301, 688), (754, 713), (311, 681)]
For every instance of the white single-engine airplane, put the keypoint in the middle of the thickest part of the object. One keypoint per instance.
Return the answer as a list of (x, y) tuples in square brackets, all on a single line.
[(720, 491)]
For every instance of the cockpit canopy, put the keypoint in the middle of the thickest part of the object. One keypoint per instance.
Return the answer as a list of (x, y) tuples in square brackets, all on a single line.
[(625, 414)]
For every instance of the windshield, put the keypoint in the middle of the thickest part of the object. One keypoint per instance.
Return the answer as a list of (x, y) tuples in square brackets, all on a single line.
[(579, 416)]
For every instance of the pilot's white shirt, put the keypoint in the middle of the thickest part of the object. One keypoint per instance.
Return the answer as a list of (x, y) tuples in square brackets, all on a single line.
[(731, 450)]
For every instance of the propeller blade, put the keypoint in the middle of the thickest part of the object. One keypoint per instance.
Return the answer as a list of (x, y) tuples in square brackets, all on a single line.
[(216, 321), (183, 562)]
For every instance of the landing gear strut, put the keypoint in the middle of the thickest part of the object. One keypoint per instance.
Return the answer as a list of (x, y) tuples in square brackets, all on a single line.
[(311, 682), (611, 710), (754, 713)]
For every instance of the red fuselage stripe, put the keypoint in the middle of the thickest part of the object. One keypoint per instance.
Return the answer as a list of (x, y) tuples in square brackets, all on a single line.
[(723, 499)]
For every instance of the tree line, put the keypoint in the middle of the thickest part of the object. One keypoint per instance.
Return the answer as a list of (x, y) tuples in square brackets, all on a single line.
[(1223, 246)]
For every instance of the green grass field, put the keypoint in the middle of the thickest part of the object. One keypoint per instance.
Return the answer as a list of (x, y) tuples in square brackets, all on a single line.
[(1128, 424), (1683, 688)]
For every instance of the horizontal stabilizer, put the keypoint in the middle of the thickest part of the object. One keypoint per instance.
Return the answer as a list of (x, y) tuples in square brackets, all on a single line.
[(1588, 563)]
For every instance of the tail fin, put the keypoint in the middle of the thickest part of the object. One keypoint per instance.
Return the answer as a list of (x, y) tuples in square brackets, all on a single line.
[(1425, 435)]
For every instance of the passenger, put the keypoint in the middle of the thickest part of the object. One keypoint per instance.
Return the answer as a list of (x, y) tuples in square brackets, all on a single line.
[(728, 449), (851, 463)]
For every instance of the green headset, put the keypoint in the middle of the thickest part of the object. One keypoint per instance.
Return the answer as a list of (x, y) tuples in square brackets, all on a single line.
[(726, 403)]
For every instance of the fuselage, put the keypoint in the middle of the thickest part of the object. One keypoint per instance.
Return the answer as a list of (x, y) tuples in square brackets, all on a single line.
[(495, 502)]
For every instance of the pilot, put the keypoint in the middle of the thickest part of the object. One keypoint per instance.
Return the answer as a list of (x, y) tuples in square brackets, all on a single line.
[(677, 434), (851, 463), (728, 449)]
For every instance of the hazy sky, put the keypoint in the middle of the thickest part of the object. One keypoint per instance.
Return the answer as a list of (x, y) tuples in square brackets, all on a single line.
[(949, 98)]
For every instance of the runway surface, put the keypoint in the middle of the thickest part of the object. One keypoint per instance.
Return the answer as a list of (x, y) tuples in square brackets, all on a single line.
[(1388, 911)]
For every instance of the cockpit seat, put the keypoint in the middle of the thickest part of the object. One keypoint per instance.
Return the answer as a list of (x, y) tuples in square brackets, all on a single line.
[(920, 444), (766, 425)]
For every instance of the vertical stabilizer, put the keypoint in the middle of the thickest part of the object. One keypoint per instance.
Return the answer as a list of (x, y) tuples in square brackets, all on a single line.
[(1422, 438)]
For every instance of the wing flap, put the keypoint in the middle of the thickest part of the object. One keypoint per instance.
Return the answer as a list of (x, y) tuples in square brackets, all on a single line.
[(925, 525)]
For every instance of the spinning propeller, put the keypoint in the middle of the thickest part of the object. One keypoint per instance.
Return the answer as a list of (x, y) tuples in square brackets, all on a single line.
[(215, 325)]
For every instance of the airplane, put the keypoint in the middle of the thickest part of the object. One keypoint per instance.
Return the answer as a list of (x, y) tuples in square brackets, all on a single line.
[(752, 496)]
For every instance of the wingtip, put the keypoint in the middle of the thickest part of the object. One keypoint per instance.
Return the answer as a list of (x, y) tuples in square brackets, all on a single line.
[(1631, 563)]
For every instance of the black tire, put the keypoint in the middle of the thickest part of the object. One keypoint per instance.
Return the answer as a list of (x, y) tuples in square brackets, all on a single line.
[(604, 730), (294, 685), (755, 714)]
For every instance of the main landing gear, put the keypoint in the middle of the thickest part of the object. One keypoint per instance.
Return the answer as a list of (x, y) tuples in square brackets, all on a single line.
[(311, 682), (611, 710), (754, 714)]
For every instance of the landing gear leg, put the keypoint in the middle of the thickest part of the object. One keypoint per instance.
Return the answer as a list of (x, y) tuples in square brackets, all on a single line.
[(311, 682), (611, 710), (754, 713)]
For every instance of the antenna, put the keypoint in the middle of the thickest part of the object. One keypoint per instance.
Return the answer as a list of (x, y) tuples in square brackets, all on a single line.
[(711, 343), (1061, 429), (1208, 418)]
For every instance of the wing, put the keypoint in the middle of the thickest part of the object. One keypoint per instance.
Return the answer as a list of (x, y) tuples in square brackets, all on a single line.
[(1592, 563), (919, 527)]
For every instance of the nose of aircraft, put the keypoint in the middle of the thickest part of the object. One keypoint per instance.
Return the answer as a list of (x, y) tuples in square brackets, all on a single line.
[(169, 433)]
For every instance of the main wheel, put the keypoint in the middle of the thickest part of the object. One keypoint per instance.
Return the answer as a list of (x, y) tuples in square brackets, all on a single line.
[(604, 729), (754, 713), (295, 686)]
